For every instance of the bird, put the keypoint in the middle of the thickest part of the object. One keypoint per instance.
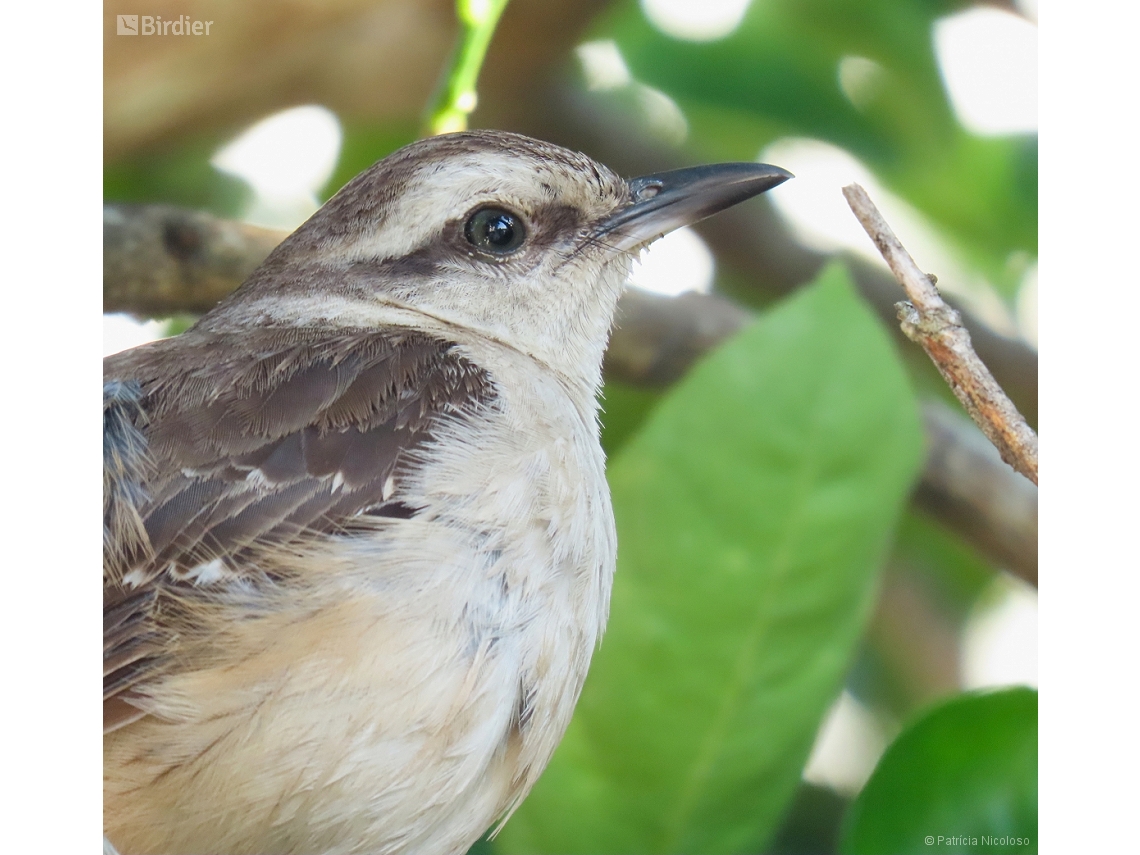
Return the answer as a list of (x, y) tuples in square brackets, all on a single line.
[(358, 542)]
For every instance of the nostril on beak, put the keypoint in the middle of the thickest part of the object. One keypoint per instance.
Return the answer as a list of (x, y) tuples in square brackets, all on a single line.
[(647, 191)]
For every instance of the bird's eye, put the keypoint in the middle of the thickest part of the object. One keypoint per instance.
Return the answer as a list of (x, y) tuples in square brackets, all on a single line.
[(495, 230)]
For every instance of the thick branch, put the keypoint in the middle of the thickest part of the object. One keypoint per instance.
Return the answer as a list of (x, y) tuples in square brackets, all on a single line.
[(656, 339), (966, 486), (160, 260), (927, 320)]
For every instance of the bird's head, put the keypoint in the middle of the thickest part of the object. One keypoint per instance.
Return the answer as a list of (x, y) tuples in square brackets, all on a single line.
[(514, 239)]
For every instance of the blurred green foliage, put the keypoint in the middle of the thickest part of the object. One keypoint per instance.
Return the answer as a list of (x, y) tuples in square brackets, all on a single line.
[(963, 778), (952, 568), (952, 577), (754, 505), (457, 94), (776, 75), (177, 175)]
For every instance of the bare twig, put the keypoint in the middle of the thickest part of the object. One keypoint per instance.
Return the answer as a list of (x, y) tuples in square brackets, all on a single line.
[(927, 320)]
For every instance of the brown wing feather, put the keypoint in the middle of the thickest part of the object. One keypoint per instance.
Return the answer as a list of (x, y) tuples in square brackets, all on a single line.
[(216, 445)]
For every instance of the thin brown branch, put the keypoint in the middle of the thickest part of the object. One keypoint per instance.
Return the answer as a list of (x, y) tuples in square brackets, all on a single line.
[(928, 321), (160, 261)]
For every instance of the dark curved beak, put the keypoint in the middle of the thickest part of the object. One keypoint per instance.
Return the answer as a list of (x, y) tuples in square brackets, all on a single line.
[(668, 200)]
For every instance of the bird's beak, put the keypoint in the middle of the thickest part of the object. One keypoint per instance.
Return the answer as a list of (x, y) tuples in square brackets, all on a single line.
[(669, 200)]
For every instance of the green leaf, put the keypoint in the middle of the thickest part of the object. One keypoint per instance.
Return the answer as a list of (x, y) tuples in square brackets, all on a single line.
[(963, 778), (624, 409), (753, 506)]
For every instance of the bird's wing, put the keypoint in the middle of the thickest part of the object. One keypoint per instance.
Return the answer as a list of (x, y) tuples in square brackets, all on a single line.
[(217, 446)]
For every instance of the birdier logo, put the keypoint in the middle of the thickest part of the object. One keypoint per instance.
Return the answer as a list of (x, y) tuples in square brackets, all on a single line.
[(156, 25)]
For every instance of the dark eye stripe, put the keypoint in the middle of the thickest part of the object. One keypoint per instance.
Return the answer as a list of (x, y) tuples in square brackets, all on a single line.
[(495, 231)]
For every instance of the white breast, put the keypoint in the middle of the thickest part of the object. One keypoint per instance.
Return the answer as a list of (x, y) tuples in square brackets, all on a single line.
[(522, 492), (502, 585)]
